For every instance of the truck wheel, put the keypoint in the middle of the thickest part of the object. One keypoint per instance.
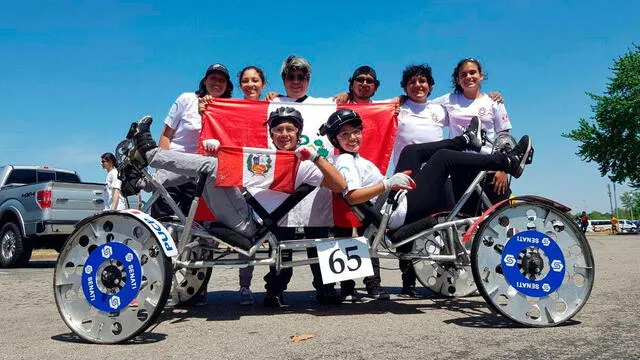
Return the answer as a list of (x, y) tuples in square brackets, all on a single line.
[(13, 251)]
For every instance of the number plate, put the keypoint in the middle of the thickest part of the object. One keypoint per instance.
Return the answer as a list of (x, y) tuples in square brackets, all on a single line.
[(344, 259)]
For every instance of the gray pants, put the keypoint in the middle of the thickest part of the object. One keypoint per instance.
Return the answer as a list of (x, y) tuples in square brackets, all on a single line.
[(228, 205)]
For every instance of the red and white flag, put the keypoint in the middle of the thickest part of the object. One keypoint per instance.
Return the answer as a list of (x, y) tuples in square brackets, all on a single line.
[(253, 167), (242, 123)]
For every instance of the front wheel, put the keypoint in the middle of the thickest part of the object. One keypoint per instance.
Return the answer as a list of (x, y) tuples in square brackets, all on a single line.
[(112, 278), (532, 264)]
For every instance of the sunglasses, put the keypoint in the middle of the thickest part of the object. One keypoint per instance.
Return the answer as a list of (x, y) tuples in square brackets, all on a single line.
[(365, 80), (299, 77), (103, 161)]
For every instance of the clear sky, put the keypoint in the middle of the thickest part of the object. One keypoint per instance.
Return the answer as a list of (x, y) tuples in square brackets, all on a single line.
[(74, 74)]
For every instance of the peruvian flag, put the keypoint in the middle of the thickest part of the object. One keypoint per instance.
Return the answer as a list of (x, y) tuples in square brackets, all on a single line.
[(242, 123), (254, 167)]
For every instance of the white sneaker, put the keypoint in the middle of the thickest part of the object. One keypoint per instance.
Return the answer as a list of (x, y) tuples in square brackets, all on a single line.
[(246, 297)]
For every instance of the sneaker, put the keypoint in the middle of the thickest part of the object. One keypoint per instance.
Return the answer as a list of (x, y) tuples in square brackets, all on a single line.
[(349, 295), (473, 135), (142, 141), (377, 293), (274, 301), (328, 297), (246, 297), (521, 155)]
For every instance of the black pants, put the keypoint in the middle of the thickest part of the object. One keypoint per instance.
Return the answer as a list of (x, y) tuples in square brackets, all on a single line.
[(432, 177), (443, 158), (461, 179), (277, 282), (370, 282), (182, 194)]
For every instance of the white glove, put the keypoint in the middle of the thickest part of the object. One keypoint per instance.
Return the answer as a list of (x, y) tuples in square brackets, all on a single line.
[(305, 153), (211, 145), (399, 181)]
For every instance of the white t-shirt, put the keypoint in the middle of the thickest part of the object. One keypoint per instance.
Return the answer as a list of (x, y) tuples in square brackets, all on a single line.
[(418, 123), (359, 173), (112, 182), (314, 210), (493, 115), (186, 123)]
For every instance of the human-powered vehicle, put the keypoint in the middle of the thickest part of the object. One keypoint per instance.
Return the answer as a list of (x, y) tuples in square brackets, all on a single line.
[(525, 256)]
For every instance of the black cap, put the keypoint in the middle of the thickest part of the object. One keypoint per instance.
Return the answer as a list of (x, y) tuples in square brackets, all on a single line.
[(217, 67), (364, 70)]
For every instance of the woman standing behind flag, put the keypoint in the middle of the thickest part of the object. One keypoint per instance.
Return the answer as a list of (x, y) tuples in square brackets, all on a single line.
[(181, 131), (252, 81)]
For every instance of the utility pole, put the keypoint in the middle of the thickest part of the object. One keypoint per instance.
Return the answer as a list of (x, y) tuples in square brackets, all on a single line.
[(610, 202), (615, 200)]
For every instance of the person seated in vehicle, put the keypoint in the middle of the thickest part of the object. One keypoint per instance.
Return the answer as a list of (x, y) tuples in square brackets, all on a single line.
[(231, 209), (365, 182)]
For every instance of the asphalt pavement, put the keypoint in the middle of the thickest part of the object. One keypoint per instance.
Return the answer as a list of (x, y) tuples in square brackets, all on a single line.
[(607, 327)]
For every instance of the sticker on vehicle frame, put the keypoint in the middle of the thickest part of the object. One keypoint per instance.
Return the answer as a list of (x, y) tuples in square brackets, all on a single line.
[(533, 249)]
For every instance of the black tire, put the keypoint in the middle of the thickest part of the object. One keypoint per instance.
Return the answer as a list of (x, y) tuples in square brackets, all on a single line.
[(13, 250)]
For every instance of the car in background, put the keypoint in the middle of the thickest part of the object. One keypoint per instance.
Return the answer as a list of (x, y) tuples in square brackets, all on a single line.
[(600, 225), (627, 227)]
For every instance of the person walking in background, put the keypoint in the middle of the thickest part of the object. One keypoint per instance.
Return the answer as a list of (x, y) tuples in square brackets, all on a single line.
[(584, 222), (614, 225), (112, 197)]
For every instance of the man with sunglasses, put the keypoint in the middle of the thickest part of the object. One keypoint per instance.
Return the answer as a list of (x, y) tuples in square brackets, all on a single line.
[(296, 76), (362, 85)]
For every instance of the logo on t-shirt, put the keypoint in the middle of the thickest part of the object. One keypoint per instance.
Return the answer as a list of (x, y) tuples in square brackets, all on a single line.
[(482, 111), (259, 164), (318, 145)]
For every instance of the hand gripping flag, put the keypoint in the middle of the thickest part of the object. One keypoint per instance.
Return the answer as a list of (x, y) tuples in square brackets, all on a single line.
[(241, 123)]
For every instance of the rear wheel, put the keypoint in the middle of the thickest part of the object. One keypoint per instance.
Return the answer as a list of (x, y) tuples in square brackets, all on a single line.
[(191, 283), (445, 278), (112, 279), (532, 264), (13, 250)]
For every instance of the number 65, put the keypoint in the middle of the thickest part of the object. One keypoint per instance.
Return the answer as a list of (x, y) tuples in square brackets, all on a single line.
[(337, 264)]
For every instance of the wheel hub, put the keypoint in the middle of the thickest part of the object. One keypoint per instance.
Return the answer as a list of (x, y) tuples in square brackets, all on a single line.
[(532, 263), (8, 244), (112, 279)]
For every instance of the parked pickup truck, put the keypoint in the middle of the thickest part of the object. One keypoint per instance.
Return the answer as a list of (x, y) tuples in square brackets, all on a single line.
[(39, 207)]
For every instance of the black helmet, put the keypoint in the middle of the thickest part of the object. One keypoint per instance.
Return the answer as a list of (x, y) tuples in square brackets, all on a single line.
[(285, 113), (336, 121)]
